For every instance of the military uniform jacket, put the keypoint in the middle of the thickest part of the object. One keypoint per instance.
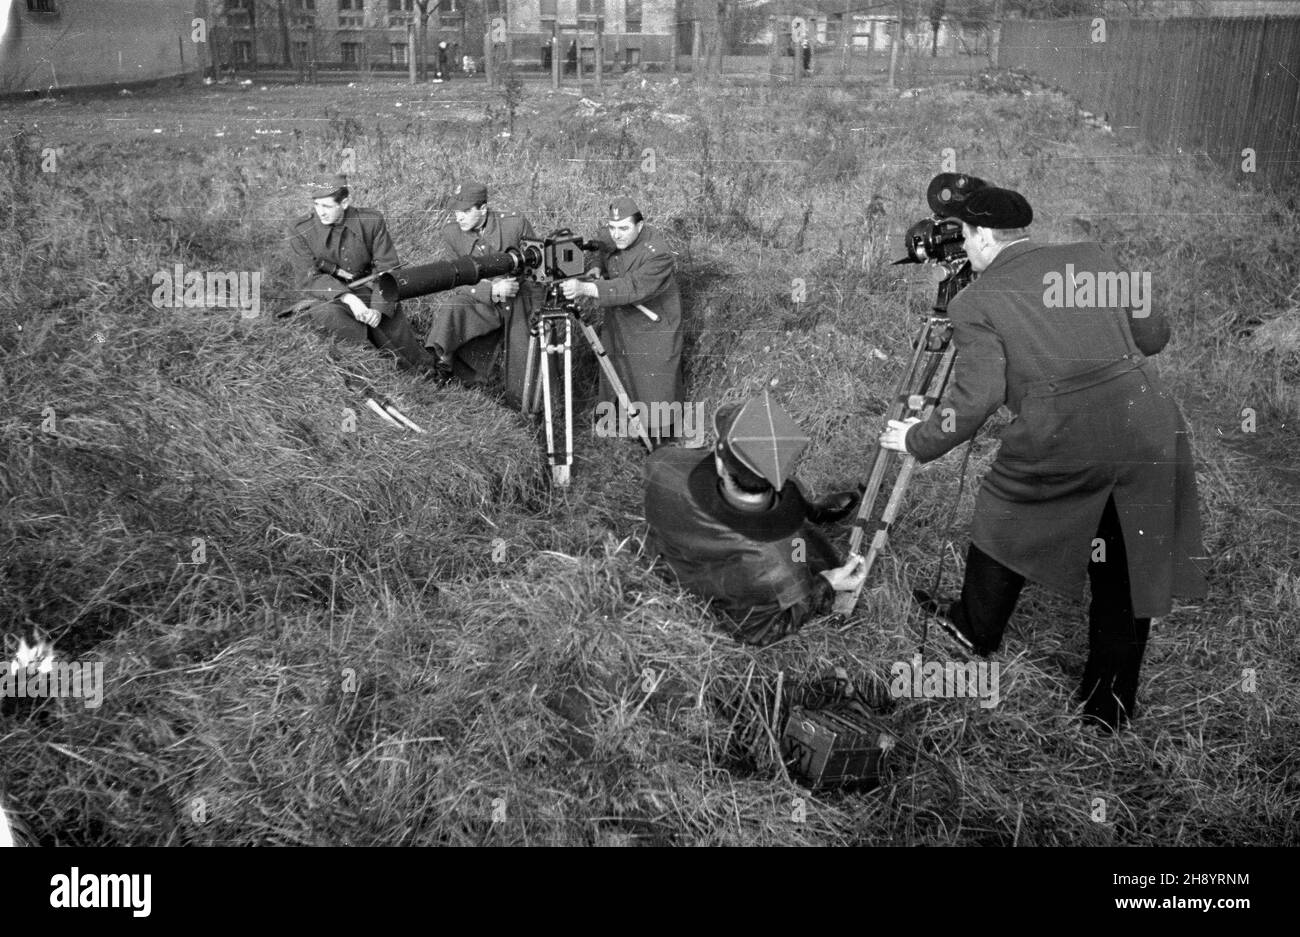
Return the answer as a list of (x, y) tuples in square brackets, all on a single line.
[(647, 354), (1092, 421), (498, 231), (359, 244), (760, 568)]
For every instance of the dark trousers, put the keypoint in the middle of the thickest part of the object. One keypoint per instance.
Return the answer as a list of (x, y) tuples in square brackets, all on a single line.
[(1116, 640), (393, 334)]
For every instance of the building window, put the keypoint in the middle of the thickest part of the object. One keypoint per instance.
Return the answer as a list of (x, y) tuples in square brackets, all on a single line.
[(350, 52), (398, 53), (632, 16), (243, 51), (451, 13), (351, 13), (631, 58), (400, 12), (301, 52), (41, 6), (590, 9)]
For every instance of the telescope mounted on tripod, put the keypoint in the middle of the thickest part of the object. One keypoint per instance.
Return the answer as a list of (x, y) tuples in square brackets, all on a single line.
[(548, 374)]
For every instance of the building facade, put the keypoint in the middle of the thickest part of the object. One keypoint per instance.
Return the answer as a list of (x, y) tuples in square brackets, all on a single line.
[(52, 44), (373, 34)]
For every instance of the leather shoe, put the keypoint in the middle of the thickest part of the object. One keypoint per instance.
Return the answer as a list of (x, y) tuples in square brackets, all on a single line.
[(938, 611), (834, 507)]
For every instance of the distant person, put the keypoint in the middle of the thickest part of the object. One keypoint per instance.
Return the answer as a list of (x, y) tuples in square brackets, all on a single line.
[(1093, 480), (733, 526), (807, 57), (335, 245), (441, 72), (471, 322), (639, 281)]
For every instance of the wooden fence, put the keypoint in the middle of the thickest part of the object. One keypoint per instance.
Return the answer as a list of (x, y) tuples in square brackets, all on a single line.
[(1228, 88)]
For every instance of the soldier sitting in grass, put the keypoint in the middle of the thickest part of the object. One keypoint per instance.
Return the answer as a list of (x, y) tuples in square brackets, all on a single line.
[(471, 322), (734, 527), (335, 246)]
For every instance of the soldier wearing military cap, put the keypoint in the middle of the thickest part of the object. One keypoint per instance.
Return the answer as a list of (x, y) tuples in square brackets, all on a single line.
[(643, 320), (471, 322), (734, 527), (336, 245), (1094, 475)]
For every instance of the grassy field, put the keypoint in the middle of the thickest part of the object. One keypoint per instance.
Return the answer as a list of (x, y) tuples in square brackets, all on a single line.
[(319, 630)]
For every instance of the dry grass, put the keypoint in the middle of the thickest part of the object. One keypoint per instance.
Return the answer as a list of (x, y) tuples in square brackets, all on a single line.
[(401, 639)]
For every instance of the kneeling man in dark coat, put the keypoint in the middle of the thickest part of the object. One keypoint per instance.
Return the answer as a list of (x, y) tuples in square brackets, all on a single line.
[(734, 527), (1094, 476)]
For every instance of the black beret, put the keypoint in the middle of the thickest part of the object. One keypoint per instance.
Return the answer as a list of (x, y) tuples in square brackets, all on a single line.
[(992, 207)]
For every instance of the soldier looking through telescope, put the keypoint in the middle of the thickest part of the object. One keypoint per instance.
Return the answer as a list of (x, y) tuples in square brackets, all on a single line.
[(643, 314)]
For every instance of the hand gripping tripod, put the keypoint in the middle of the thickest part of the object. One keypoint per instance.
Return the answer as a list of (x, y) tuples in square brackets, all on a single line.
[(918, 394), (548, 374)]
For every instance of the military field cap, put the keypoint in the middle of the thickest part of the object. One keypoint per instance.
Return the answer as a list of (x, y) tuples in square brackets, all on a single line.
[(329, 185), (622, 208), (762, 437), (992, 207), (468, 195)]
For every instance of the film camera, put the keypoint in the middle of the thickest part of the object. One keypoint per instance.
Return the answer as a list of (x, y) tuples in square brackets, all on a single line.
[(938, 239), (558, 256)]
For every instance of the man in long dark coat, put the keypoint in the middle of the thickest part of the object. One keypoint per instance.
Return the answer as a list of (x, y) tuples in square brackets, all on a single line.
[(332, 247), (733, 525), (1094, 476), (640, 282), (470, 322)]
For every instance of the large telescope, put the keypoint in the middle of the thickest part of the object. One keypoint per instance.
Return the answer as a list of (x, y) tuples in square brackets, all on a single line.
[(409, 282), (556, 257)]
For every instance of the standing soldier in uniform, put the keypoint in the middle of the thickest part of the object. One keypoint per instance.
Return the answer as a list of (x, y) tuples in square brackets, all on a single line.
[(1095, 473), (466, 321), (336, 245), (646, 353)]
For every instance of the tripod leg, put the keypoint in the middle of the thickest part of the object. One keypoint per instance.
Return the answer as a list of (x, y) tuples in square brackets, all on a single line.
[(560, 473), (936, 379), (544, 363), (620, 392), (881, 459), (529, 398)]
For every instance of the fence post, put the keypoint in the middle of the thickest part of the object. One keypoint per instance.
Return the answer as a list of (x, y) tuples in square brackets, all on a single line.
[(311, 31), (600, 56), (846, 49), (995, 37), (488, 65), (695, 49), (555, 61), (410, 51), (771, 51), (893, 46)]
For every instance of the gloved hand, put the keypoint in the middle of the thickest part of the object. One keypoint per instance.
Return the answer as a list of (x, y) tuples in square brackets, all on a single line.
[(835, 506)]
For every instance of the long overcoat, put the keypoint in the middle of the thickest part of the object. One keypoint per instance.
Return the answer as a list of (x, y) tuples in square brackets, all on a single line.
[(646, 355), (1092, 421)]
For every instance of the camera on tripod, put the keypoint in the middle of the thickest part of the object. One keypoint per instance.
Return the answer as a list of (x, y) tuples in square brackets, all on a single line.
[(558, 256), (938, 239)]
